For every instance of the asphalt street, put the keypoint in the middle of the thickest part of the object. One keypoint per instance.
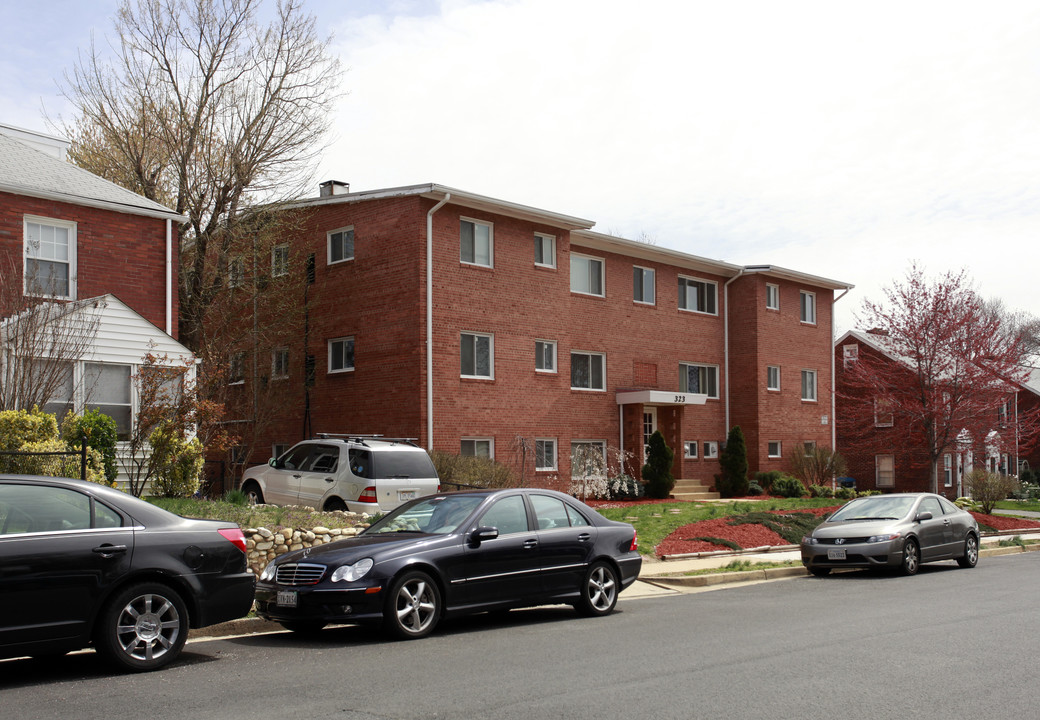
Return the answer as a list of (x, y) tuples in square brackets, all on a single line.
[(947, 643)]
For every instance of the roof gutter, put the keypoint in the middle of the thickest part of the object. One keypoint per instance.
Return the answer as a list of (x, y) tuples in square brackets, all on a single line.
[(429, 319)]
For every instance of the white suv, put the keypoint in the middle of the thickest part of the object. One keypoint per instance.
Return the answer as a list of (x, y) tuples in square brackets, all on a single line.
[(360, 473)]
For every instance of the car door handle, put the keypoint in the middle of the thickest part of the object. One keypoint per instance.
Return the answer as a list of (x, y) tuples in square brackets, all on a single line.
[(107, 551), (530, 544), (296, 475), (584, 537)]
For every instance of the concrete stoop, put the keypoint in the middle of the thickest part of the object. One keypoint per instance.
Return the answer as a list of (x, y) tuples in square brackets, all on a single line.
[(693, 490)]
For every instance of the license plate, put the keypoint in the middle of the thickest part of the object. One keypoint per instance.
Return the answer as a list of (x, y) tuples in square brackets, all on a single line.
[(403, 495), (286, 598), (836, 554)]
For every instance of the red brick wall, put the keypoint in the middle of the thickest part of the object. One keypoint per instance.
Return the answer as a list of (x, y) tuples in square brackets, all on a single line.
[(760, 337), (379, 298), (115, 252)]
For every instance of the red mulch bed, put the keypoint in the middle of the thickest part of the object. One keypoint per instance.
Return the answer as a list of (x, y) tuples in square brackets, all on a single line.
[(680, 542), (1002, 522)]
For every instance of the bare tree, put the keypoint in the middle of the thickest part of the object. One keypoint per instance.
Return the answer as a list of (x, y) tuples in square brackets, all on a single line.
[(207, 110), (1016, 324), (40, 339)]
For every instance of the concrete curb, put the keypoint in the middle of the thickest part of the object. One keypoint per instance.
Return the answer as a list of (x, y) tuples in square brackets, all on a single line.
[(785, 572)]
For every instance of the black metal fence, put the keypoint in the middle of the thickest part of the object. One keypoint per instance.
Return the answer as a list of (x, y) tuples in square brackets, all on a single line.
[(72, 463)]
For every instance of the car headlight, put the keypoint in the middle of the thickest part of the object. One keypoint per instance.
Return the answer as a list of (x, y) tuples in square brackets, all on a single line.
[(882, 538), (350, 573), (268, 573), (809, 540)]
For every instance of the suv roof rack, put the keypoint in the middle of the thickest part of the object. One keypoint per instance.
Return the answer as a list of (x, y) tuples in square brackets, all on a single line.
[(361, 437)]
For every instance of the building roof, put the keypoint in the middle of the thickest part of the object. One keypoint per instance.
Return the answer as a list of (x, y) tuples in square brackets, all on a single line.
[(581, 232), (26, 170)]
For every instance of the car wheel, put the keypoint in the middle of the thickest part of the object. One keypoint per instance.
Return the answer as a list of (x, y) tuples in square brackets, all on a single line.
[(819, 571), (971, 552), (253, 493), (304, 627), (413, 606), (143, 627), (911, 557), (335, 504), (599, 591)]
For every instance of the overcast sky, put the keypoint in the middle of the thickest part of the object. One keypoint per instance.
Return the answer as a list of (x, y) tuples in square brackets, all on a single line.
[(835, 138)]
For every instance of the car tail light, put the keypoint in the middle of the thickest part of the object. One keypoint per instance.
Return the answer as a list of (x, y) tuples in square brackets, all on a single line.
[(635, 542), (368, 495), (235, 536)]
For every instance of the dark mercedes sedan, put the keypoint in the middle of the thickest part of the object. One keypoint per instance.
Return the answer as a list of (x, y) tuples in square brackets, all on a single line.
[(452, 554), (82, 564)]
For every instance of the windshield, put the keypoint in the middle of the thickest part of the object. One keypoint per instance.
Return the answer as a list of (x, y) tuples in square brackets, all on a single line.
[(439, 514), (878, 507)]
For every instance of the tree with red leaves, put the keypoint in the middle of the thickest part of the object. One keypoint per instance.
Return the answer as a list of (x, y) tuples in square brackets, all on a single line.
[(940, 374)]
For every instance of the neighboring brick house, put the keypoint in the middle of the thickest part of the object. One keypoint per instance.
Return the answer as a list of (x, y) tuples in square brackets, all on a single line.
[(69, 235), (544, 330), (879, 446)]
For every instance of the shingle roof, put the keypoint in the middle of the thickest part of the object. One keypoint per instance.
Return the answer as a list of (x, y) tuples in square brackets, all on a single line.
[(25, 170)]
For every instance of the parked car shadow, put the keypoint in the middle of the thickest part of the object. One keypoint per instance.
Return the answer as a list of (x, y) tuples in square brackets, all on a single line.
[(853, 574), (76, 666)]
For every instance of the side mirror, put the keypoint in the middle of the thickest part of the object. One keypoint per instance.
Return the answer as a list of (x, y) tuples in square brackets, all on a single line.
[(483, 533), (273, 462), (923, 516)]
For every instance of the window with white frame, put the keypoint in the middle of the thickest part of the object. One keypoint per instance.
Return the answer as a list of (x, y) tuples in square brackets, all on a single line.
[(50, 257), (341, 245), (545, 250), (586, 275), (809, 385), (477, 447), (711, 450), (545, 454), (588, 458), (643, 285), (545, 356), (237, 368), (947, 470), (588, 371), (236, 272), (773, 449), (107, 390), (477, 352), (690, 449), (772, 377), (808, 313), (278, 449), (885, 468), (341, 354), (772, 297), (280, 363), (477, 243), (849, 354), (883, 415), (280, 260), (698, 295), (695, 378)]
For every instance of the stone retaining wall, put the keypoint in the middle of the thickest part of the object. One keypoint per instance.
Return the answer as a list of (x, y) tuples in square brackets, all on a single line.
[(263, 544)]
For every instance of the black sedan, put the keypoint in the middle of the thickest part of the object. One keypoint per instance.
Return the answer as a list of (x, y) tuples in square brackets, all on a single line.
[(452, 554), (84, 564)]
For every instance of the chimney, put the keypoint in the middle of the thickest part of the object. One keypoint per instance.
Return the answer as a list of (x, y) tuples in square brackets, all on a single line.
[(333, 187)]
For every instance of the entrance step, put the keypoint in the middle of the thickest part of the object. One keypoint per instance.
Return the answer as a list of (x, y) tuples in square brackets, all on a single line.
[(693, 490)]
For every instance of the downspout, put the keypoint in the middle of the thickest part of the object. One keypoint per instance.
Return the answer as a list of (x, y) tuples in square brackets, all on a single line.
[(725, 335), (429, 320), (169, 277), (834, 419)]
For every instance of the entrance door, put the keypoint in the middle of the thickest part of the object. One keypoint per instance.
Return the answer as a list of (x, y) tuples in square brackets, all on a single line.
[(649, 427)]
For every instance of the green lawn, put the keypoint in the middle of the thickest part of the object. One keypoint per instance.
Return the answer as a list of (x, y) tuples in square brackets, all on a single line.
[(1031, 505), (655, 522)]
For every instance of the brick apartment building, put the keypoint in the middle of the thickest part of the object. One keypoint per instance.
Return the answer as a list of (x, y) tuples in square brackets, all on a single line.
[(68, 235), (539, 329), (880, 446)]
